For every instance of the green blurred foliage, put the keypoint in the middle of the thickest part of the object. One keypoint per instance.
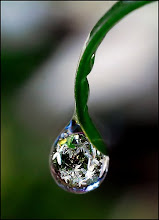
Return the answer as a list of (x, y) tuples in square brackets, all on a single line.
[(17, 66), (27, 189)]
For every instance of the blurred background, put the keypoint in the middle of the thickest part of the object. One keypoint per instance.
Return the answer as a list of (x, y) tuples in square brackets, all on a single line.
[(40, 47)]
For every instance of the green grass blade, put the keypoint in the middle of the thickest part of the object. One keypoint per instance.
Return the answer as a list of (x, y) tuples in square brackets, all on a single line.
[(110, 18)]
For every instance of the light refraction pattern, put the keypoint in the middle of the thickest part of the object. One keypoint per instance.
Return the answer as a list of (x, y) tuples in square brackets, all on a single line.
[(75, 163)]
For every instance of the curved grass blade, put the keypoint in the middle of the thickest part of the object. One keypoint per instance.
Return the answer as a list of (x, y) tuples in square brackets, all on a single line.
[(110, 18)]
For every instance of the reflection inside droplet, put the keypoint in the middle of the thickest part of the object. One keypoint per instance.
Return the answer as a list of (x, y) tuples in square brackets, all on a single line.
[(75, 163)]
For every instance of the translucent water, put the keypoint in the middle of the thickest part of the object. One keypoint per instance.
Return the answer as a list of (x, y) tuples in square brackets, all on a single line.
[(75, 163)]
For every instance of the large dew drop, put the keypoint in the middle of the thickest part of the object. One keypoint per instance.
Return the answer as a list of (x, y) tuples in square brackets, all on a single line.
[(75, 163)]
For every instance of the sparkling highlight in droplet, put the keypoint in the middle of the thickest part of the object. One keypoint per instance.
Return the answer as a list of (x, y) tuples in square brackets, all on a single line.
[(75, 163)]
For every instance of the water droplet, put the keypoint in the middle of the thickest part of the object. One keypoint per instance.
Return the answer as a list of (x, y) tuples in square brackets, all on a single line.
[(90, 64), (92, 60), (75, 164)]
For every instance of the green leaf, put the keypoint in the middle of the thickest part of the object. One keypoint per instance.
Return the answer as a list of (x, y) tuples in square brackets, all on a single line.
[(110, 18), (69, 142), (71, 146)]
